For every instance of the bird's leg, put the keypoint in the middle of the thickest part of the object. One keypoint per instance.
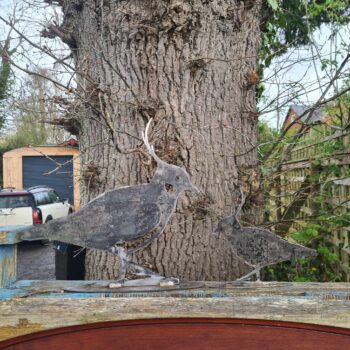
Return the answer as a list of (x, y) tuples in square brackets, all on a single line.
[(124, 261), (142, 271), (255, 272), (258, 275), (122, 270), (145, 272), (145, 276)]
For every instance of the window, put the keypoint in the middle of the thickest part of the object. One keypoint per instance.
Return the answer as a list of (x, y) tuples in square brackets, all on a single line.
[(14, 201), (42, 198), (54, 197)]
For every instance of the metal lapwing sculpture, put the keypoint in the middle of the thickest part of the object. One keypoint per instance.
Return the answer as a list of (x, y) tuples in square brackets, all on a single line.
[(132, 215), (258, 247)]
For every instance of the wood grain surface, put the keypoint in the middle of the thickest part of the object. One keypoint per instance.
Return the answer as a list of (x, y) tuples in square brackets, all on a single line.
[(186, 334)]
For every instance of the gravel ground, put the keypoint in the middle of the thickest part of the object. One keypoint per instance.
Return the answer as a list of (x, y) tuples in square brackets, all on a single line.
[(35, 261)]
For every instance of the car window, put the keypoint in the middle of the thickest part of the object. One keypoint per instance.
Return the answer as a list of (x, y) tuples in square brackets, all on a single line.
[(38, 198), (3, 202), (14, 201), (54, 197), (42, 198)]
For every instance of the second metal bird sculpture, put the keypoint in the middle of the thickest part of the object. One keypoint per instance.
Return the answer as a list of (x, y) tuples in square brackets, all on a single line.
[(256, 246), (133, 214)]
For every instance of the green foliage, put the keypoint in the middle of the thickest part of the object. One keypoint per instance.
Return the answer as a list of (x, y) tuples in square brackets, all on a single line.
[(291, 22), (5, 70), (340, 107), (317, 233), (5, 83), (273, 4), (28, 133), (266, 137), (325, 213), (5, 75), (31, 108)]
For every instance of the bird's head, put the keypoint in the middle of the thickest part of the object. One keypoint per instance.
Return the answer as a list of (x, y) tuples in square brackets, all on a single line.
[(174, 178), (228, 225)]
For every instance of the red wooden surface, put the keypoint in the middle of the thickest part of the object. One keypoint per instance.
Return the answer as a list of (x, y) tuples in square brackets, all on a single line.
[(185, 334)]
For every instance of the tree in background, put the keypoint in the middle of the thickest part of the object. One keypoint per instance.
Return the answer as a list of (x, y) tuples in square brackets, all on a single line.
[(5, 74), (32, 108)]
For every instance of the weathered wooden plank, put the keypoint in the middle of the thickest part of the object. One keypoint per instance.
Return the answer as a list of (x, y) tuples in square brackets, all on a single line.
[(316, 303), (232, 288), (336, 135), (10, 234), (296, 165), (9, 237), (302, 163), (8, 265), (344, 182)]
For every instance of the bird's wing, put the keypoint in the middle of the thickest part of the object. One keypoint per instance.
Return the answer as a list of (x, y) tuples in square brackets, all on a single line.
[(125, 224)]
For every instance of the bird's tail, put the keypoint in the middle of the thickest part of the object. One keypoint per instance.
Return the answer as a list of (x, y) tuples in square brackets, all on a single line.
[(34, 233)]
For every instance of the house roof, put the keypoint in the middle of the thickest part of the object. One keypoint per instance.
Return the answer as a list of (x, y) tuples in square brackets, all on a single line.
[(316, 116), (41, 150), (72, 142)]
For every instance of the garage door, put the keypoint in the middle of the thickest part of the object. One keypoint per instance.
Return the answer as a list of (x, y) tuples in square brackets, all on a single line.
[(55, 172)]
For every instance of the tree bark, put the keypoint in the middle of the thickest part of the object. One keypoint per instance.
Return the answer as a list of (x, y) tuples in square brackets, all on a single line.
[(187, 65)]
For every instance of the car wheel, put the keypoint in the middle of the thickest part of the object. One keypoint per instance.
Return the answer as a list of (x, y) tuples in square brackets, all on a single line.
[(49, 218)]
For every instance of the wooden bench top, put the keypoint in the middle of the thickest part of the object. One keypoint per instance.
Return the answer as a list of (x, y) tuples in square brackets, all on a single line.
[(31, 306)]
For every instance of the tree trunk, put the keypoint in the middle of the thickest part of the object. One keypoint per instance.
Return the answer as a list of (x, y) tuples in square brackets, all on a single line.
[(189, 66)]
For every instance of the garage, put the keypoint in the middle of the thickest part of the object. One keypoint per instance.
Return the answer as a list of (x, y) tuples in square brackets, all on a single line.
[(54, 166), (54, 171)]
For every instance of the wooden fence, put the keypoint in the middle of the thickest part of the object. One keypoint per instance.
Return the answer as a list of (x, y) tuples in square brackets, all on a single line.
[(296, 200)]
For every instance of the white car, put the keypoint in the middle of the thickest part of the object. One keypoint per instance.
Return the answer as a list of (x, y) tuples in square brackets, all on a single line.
[(32, 206)]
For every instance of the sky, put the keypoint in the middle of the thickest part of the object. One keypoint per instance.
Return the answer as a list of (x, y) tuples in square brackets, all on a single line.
[(302, 69), (30, 21)]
